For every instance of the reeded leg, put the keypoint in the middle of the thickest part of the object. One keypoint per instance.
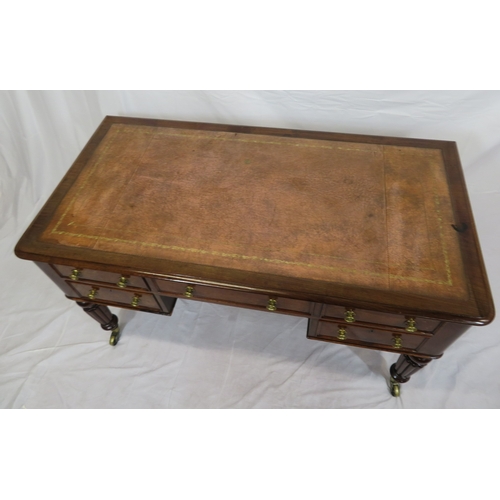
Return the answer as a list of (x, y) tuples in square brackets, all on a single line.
[(403, 369), (103, 316)]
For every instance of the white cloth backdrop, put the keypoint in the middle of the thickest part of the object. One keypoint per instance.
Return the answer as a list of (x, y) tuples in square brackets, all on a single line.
[(206, 356)]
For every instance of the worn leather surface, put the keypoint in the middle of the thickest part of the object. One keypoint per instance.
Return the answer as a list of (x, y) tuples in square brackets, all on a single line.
[(364, 214)]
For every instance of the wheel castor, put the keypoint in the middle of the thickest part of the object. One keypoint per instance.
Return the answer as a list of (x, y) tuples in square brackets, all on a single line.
[(395, 388), (115, 336)]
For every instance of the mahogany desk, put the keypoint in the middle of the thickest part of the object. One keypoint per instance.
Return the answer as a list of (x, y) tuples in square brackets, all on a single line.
[(370, 238)]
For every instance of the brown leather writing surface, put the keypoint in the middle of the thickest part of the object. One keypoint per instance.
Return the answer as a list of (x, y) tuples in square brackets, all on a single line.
[(373, 215)]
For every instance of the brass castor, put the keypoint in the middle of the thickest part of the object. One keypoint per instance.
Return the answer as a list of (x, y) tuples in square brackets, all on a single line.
[(115, 336), (395, 388)]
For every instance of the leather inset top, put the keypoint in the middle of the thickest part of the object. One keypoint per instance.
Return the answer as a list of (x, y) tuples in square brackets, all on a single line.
[(370, 215)]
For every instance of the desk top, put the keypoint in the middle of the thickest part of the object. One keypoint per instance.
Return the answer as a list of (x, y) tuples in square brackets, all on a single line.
[(380, 220)]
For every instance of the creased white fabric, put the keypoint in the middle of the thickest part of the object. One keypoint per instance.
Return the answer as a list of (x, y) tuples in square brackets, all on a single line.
[(206, 356)]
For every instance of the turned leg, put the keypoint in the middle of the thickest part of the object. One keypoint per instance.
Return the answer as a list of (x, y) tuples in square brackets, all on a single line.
[(403, 369), (103, 316)]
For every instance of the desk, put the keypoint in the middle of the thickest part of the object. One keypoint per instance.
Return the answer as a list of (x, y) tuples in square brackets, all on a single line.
[(370, 238)]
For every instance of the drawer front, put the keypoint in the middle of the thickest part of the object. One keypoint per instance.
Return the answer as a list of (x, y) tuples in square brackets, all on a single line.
[(235, 297), (101, 277), (377, 318), (103, 294), (354, 334)]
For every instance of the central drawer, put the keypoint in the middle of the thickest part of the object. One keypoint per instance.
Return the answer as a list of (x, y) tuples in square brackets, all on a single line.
[(235, 297)]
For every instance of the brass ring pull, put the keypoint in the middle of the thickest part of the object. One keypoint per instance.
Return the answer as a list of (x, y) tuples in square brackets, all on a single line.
[(135, 300), (341, 334), (349, 316), (189, 291), (397, 341), (272, 305), (123, 282), (92, 294), (75, 275), (411, 325)]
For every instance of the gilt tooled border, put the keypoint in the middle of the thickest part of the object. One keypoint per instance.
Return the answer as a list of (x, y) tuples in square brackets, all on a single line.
[(115, 130)]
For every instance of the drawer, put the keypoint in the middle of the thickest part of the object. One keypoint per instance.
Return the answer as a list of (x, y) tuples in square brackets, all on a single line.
[(101, 277), (235, 297), (103, 294), (356, 334), (377, 318)]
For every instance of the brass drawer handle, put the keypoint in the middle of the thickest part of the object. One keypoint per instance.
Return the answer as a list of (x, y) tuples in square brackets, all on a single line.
[(341, 335), (189, 291), (272, 305), (92, 294), (75, 275), (397, 341), (349, 316), (123, 282), (135, 300), (411, 325)]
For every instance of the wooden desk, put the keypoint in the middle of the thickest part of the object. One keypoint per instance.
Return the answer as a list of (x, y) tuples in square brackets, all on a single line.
[(371, 238)]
